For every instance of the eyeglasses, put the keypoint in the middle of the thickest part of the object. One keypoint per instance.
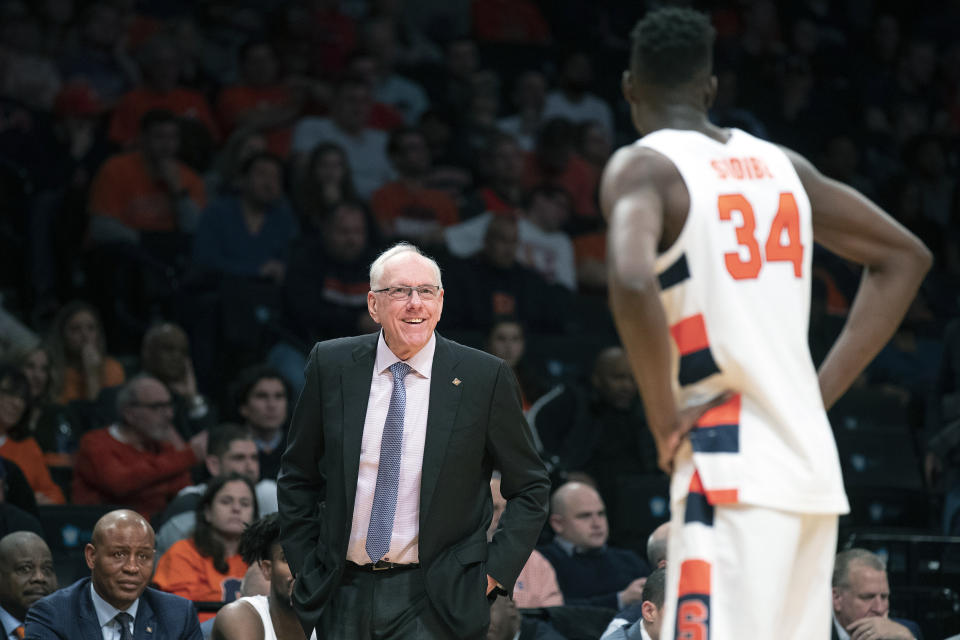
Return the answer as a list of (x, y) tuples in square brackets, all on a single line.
[(425, 291), (155, 406)]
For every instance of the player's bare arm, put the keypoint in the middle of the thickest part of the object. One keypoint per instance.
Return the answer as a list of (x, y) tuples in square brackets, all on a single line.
[(237, 621), (895, 263), (645, 203)]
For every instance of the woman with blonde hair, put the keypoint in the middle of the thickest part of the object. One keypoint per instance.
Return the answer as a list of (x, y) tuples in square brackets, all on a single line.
[(81, 366)]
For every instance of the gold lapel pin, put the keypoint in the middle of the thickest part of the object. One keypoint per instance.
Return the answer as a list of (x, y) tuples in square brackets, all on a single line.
[(149, 629), (456, 382)]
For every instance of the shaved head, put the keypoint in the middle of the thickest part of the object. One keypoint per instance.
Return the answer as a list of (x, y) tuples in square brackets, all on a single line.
[(121, 518), (577, 515), (11, 543), (120, 556), (560, 498), (657, 546), (26, 572)]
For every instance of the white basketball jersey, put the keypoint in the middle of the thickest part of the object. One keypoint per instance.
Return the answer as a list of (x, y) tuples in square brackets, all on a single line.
[(262, 605), (736, 290)]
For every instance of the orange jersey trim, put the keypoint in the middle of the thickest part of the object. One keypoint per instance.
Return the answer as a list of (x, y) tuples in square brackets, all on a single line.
[(690, 334)]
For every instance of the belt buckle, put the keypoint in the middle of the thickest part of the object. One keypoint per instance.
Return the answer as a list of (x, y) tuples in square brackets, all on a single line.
[(381, 565)]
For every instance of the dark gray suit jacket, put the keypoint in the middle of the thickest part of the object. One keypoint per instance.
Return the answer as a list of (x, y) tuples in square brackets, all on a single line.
[(474, 426), (68, 614)]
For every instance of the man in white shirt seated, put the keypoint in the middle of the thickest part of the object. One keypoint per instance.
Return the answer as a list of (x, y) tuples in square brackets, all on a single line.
[(346, 127), (573, 100), (230, 449), (542, 245)]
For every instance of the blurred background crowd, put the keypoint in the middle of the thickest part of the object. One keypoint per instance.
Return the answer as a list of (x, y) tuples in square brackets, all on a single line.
[(191, 193)]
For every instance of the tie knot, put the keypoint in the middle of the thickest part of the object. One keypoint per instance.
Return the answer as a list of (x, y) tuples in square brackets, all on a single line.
[(400, 370), (19, 631), (124, 619)]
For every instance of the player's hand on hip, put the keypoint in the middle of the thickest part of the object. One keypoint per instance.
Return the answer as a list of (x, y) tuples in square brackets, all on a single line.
[(875, 628), (686, 420)]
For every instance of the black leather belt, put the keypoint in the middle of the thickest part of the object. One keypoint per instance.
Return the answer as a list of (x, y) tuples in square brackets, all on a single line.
[(383, 565)]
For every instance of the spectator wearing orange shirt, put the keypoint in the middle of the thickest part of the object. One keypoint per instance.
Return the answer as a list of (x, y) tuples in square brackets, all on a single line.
[(555, 164), (501, 190), (260, 101), (516, 21), (160, 63), (140, 462), (405, 208), (146, 190), (81, 366), (207, 567), (23, 451)]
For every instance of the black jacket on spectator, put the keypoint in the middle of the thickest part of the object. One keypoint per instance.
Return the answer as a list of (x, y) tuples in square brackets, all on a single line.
[(594, 577), (322, 298), (477, 292)]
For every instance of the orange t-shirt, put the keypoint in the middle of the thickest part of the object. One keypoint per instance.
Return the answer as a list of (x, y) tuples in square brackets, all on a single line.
[(237, 101), (403, 210), (27, 455), (590, 246), (184, 572), (579, 179), (75, 386), (125, 190), (517, 21), (188, 104)]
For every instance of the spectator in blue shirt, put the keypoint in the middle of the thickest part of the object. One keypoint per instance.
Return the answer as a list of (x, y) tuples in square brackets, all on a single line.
[(248, 234)]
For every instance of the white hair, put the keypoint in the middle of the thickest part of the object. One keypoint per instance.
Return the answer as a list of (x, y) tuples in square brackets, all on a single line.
[(378, 265)]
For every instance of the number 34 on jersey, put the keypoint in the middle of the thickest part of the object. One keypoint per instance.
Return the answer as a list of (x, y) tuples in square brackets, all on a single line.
[(782, 242)]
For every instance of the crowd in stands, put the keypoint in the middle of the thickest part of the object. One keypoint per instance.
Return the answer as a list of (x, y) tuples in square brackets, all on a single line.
[(191, 194)]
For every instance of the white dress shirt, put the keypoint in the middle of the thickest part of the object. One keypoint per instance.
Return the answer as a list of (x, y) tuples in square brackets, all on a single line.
[(107, 613), (404, 544)]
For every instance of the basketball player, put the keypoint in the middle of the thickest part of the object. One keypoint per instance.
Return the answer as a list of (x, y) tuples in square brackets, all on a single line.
[(711, 234), (258, 617)]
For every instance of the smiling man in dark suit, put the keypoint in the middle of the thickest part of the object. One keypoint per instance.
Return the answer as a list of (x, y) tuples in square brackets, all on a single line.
[(384, 488), (115, 602)]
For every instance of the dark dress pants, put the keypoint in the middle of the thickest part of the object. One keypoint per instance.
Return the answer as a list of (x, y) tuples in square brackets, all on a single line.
[(383, 605)]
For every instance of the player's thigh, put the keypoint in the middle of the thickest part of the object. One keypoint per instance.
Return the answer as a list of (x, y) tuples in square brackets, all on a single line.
[(808, 610), (732, 575)]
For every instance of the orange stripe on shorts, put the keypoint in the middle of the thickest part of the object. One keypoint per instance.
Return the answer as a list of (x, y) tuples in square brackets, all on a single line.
[(694, 578), (726, 413)]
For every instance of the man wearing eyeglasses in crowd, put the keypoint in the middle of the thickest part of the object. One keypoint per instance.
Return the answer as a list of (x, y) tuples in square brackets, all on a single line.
[(140, 462), (384, 487)]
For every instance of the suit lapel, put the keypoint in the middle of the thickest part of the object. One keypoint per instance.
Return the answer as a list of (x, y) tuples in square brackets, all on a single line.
[(145, 626), (356, 377), (444, 401), (89, 623)]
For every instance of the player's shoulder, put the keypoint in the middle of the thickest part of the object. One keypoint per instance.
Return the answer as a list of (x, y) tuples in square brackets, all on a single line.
[(238, 619), (635, 168), (804, 168), (638, 161)]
